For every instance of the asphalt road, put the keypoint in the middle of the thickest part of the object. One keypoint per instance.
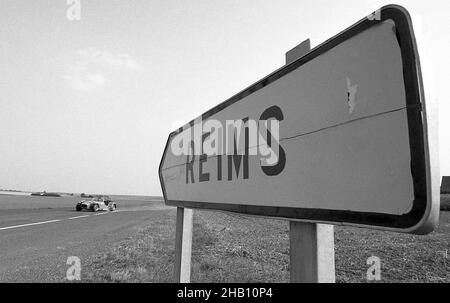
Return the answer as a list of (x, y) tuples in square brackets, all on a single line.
[(35, 243)]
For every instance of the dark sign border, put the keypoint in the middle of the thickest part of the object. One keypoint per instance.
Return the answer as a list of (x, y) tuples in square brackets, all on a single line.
[(414, 97)]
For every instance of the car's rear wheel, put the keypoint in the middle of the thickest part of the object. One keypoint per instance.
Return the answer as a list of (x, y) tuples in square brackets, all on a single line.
[(95, 208)]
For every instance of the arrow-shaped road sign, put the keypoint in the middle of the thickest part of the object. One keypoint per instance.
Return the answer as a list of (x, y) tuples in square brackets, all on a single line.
[(338, 136)]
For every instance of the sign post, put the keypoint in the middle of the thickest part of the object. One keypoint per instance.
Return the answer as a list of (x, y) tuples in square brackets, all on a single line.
[(183, 245), (311, 245)]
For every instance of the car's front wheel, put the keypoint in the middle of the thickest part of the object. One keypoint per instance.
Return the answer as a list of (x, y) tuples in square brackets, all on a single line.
[(95, 208), (78, 208)]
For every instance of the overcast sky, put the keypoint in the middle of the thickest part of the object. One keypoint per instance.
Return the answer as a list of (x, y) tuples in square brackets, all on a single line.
[(86, 106)]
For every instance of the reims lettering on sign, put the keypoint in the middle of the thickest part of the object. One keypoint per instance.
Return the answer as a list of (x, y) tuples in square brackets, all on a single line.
[(260, 136)]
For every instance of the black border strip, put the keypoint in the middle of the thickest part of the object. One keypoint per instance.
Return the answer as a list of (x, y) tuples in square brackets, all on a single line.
[(411, 74)]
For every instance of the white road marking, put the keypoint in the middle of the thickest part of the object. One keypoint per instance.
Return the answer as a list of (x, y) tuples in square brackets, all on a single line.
[(78, 217), (29, 224), (99, 214), (51, 221)]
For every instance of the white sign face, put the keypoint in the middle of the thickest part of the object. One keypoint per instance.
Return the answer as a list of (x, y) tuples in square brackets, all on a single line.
[(338, 136)]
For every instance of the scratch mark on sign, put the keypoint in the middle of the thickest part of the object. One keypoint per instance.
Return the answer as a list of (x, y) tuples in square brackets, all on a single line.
[(351, 96)]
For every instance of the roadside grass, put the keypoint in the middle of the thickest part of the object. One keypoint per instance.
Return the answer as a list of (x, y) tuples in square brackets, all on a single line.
[(146, 256), (234, 248)]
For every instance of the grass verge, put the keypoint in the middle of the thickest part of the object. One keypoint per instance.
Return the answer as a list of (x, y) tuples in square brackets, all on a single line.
[(234, 248)]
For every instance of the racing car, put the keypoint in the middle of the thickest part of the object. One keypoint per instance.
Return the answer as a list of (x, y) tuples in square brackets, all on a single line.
[(96, 204)]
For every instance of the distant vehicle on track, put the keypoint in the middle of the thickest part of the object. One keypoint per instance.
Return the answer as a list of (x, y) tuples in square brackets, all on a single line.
[(45, 194), (97, 204)]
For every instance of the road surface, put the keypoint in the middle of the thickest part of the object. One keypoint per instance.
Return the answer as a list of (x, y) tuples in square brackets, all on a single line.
[(35, 242)]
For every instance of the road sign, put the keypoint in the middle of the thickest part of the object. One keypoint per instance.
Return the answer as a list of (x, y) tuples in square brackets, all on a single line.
[(338, 136)]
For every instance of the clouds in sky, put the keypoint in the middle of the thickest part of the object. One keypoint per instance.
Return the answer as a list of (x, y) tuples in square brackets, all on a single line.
[(90, 69)]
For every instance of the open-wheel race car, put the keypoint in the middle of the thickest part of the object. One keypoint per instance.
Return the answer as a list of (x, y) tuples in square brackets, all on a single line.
[(97, 204)]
